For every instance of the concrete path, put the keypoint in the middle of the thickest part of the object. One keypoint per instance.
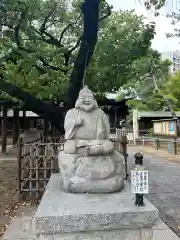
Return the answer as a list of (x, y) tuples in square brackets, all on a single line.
[(21, 226), (164, 181), (11, 154)]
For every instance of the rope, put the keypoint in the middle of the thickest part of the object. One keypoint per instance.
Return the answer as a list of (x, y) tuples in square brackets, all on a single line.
[(85, 67)]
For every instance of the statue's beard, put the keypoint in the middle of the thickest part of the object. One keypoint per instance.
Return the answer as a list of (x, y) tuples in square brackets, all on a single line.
[(86, 108)]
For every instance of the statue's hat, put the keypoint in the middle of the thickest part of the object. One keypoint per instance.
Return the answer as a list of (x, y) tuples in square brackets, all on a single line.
[(85, 90)]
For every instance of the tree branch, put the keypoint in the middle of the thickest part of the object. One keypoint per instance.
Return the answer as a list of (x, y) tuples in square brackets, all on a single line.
[(51, 67), (77, 44), (108, 11), (8, 57), (17, 28), (42, 30), (43, 69), (41, 108), (69, 26), (53, 41), (43, 26), (46, 66)]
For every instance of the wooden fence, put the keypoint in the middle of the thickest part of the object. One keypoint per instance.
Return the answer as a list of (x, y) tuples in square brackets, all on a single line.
[(38, 159)]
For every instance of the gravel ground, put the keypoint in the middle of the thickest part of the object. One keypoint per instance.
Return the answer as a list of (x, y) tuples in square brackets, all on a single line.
[(164, 184), (8, 201)]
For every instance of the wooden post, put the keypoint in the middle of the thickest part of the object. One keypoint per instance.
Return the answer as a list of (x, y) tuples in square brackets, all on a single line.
[(175, 147), (19, 162), (15, 130), (45, 129), (125, 154), (42, 142), (24, 120), (53, 133), (157, 143), (116, 118), (4, 130)]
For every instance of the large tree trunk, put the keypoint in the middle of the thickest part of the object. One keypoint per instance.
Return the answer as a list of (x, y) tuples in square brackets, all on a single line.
[(15, 129), (31, 103), (90, 9), (4, 130)]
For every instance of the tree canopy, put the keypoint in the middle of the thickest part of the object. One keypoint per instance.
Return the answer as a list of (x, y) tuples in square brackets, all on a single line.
[(39, 39), (46, 48), (42, 39), (123, 39), (141, 84), (172, 90), (41, 64)]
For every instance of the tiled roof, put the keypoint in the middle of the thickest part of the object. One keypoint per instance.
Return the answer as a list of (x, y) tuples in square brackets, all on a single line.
[(154, 114)]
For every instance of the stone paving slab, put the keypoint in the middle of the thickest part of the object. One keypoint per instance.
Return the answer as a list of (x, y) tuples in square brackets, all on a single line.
[(21, 226)]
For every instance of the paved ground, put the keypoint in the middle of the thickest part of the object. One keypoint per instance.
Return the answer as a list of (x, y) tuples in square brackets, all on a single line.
[(164, 181)]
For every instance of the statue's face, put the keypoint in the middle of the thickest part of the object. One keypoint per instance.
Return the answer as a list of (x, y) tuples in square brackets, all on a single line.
[(87, 99), (86, 102)]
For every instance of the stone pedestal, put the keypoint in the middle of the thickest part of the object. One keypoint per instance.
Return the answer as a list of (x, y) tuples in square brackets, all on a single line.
[(69, 216)]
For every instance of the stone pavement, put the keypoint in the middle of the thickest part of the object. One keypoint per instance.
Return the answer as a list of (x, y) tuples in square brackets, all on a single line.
[(21, 226), (10, 155), (164, 182)]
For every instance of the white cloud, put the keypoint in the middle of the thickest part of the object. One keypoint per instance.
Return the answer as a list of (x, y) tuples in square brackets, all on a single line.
[(163, 25)]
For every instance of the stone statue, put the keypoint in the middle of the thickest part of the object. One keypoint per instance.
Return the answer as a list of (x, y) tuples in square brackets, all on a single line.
[(89, 162)]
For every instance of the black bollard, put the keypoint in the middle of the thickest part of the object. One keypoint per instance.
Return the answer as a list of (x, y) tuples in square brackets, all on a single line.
[(139, 197)]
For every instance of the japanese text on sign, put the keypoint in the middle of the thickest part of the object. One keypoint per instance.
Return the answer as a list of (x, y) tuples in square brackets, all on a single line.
[(139, 182)]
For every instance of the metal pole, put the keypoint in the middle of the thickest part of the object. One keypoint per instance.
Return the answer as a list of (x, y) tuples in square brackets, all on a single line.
[(139, 201)]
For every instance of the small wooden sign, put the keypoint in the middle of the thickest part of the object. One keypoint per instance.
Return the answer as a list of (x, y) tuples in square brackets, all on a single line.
[(139, 181)]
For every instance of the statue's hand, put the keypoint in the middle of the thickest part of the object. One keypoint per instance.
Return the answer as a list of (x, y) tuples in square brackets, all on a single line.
[(94, 150), (87, 150)]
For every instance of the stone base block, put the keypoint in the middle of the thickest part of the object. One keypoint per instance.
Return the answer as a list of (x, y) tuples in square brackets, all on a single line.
[(128, 234), (62, 215)]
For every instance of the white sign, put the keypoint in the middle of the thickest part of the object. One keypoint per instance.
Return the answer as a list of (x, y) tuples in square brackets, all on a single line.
[(139, 182)]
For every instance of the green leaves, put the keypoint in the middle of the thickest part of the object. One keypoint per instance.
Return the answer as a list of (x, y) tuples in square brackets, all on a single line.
[(123, 38), (172, 90), (36, 50), (32, 56), (156, 5)]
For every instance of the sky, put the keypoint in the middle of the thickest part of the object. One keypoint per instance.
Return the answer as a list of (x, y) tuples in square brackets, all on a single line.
[(163, 25)]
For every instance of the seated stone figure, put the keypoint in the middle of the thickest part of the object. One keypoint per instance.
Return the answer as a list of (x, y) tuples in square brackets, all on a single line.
[(89, 162)]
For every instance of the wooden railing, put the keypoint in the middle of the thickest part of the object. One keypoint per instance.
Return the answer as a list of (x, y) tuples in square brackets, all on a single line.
[(38, 159)]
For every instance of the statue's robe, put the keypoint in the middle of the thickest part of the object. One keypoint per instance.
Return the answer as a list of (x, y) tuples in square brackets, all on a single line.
[(95, 125)]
